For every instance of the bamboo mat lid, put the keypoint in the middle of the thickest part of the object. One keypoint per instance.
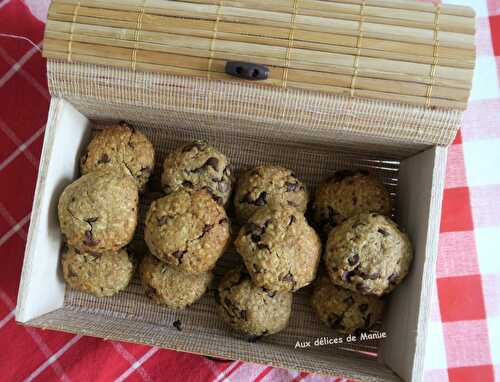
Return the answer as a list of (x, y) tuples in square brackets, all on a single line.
[(394, 50)]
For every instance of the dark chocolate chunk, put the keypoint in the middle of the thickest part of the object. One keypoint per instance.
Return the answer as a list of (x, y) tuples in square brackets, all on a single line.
[(288, 278), (383, 232), (104, 159), (243, 315), (292, 187), (150, 291), (393, 277), (178, 325), (255, 238), (212, 162), (89, 239), (346, 276), (187, 184), (353, 260), (262, 199), (178, 254), (262, 246), (217, 199)]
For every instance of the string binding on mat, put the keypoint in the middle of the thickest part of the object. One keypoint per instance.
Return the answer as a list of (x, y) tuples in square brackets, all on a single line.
[(291, 36), (214, 37), (435, 55), (137, 35), (72, 30), (359, 43)]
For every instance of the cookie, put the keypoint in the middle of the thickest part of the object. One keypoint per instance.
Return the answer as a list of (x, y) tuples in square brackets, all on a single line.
[(280, 250), (250, 309), (268, 186), (187, 229), (99, 274), (348, 193), (342, 309), (170, 286), (368, 253), (98, 212), (120, 147), (197, 166)]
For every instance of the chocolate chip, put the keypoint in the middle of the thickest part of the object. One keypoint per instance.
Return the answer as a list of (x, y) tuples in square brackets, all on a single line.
[(293, 219), (223, 221), (187, 184), (255, 238), (353, 260), (207, 227), (217, 199), (243, 315), (383, 232), (178, 254), (178, 325), (89, 239), (346, 276), (292, 187), (341, 175), (262, 199), (288, 278), (104, 159), (212, 162), (223, 186), (150, 292), (262, 246), (363, 308), (393, 277)]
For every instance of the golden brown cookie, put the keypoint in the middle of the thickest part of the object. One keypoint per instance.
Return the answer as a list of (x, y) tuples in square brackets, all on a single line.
[(99, 274), (98, 212), (198, 166), (343, 309), (250, 309), (120, 147), (346, 194), (170, 286), (368, 254), (187, 229), (280, 250), (268, 186)]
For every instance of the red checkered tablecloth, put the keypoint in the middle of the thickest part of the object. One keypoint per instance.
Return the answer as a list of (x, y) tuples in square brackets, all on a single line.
[(464, 333)]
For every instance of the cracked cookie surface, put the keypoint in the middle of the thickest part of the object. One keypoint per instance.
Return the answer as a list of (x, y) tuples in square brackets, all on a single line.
[(170, 286), (120, 147), (280, 250), (343, 309), (250, 309), (197, 165), (99, 274), (187, 229), (268, 186), (348, 193), (368, 254), (98, 212)]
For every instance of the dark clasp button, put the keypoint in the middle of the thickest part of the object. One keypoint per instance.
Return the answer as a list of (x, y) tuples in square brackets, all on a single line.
[(247, 70)]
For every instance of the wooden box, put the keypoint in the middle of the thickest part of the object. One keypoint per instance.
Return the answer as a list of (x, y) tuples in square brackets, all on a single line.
[(305, 116)]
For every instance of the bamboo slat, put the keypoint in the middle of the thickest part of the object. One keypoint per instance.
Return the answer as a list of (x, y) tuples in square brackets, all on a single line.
[(391, 50)]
